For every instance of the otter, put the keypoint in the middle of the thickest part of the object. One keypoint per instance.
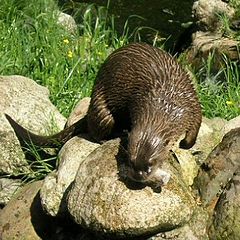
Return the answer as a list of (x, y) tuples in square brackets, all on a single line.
[(145, 90)]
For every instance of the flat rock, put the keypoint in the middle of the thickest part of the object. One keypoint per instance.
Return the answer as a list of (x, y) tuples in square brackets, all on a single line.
[(28, 103), (55, 186), (205, 43), (100, 201)]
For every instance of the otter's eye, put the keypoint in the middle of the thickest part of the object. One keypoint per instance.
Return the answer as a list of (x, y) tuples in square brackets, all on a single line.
[(149, 170)]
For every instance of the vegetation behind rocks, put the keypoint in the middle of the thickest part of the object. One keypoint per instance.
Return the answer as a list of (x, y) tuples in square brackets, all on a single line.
[(34, 45)]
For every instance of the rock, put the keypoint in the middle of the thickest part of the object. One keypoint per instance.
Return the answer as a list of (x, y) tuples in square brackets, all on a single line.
[(232, 124), (217, 125), (66, 21), (79, 111), (55, 186), (100, 201), (8, 188), (206, 43), (209, 136), (22, 218), (226, 218), (210, 40), (219, 169), (195, 229), (12, 159), (207, 13), (188, 164), (28, 103)]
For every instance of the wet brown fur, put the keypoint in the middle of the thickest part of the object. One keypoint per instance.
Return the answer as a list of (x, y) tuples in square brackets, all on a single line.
[(144, 89)]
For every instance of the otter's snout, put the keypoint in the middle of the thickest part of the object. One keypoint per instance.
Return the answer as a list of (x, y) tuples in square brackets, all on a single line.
[(157, 177), (138, 175)]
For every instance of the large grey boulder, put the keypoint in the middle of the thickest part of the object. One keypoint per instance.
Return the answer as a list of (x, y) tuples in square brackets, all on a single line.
[(100, 200), (28, 103), (219, 168), (226, 216)]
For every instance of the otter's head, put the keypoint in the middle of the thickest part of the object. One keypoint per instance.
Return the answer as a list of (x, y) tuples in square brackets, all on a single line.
[(146, 152)]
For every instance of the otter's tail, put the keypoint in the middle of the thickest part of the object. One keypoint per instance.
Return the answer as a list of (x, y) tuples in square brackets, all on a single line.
[(55, 140)]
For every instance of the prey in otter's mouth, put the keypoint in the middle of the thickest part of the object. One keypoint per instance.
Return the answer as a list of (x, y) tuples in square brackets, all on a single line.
[(144, 88)]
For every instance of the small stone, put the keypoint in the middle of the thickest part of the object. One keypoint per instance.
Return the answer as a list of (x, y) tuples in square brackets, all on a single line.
[(67, 21), (232, 124), (208, 138)]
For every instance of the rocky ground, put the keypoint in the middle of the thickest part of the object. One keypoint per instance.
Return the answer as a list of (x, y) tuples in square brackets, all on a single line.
[(88, 191)]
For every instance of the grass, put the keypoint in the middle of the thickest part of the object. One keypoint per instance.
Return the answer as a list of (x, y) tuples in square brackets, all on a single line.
[(32, 44), (64, 62), (219, 92)]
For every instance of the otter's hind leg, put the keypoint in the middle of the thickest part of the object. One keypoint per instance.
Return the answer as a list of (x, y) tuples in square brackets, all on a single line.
[(100, 120)]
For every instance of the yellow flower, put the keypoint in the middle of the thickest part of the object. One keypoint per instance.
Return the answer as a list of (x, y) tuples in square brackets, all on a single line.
[(66, 41), (70, 54), (229, 103)]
